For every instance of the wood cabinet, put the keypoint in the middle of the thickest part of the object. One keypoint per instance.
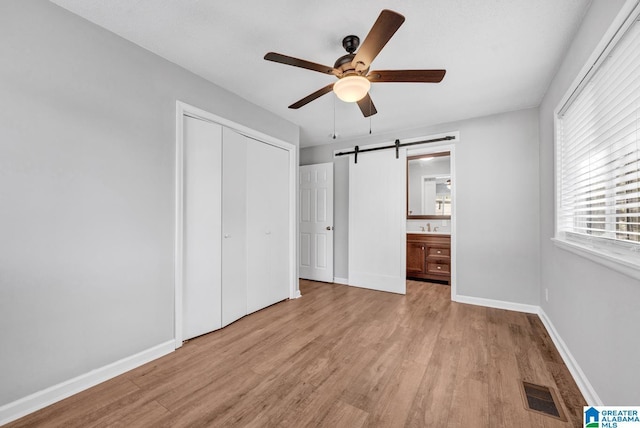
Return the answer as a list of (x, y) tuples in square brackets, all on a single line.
[(429, 256)]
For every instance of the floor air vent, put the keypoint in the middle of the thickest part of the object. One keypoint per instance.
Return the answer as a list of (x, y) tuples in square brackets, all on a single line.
[(541, 399)]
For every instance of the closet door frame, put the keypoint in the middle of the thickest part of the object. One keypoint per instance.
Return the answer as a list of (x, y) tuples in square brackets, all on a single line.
[(184, 109)]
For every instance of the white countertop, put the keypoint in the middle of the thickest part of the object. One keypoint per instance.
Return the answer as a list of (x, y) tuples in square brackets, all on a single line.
[(429, 233)]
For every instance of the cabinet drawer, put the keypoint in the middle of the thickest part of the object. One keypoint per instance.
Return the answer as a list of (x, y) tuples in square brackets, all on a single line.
[(435, 267), (439, 252)]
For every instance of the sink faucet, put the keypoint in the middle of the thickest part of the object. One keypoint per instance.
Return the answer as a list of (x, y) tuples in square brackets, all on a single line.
[(428, 227)]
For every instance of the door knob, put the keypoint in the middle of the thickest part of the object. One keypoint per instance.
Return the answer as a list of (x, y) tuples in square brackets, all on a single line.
[(329, 228)]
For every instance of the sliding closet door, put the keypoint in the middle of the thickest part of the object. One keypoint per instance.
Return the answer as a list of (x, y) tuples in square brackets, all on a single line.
[(202, 223), (377, 217), (267, 225), (234, 224)]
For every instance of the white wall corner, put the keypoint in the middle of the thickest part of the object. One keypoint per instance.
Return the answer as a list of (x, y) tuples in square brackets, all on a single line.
[(587, 390), (36, 401)]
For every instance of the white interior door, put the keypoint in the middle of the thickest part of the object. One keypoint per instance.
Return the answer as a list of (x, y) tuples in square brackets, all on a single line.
[(267, 225), (234, 223), (316, 222), (428, 195), (377, 222), (202, 223)]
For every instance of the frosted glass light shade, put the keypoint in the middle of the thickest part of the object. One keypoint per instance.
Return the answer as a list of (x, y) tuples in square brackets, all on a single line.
[(351, 88)]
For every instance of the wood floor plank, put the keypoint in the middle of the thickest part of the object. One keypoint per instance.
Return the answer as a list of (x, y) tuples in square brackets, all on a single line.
[(315, 410), (472, 384), (340, 356), (432, 403), (506, 408), (344, 415), (402, 386)]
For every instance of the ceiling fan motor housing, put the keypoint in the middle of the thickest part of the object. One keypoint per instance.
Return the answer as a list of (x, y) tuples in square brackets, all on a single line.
[(351, 43), (344, 63)]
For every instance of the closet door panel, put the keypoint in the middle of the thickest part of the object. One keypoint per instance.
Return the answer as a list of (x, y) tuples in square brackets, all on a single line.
[(202, 223), (234, 224), (267, 225), (279, 212)]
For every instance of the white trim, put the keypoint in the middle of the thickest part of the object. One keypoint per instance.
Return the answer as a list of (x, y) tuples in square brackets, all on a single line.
[(603, 258), (36, 401), (294, 291), (447, 146), (184, 109), (498, 304), (626, 16), (343, 281), (587, 390), (197, 113), (179, 226)]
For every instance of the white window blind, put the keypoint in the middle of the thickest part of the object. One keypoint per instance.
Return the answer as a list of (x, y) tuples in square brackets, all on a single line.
[(598, 153)]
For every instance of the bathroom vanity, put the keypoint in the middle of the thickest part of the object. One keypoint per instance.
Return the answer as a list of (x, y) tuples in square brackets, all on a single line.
[(429, 256)]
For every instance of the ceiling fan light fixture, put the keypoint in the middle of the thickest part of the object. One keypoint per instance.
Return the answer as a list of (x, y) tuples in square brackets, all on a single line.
[(352, 88)]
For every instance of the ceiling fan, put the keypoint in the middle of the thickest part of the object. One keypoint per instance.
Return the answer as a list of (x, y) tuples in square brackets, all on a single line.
[(352, 69)]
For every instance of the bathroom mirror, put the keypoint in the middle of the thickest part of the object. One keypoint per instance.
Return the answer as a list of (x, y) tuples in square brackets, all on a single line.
[(429, 186)]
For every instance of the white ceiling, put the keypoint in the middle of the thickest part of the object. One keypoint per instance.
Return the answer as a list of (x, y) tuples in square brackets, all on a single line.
[(500, 55)]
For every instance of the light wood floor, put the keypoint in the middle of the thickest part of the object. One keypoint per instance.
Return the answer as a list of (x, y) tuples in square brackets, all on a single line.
[(340, 357)]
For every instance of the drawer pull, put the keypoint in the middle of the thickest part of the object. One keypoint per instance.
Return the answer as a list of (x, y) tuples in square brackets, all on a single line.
[(439, 267), (439, 252)]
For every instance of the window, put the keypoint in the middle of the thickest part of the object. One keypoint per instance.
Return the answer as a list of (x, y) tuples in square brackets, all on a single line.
[(598, 153)]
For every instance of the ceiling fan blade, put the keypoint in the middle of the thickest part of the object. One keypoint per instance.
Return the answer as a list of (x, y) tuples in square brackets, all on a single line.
[(311, 97), (383, 29), (366, 106), (424, 76), (296, 62)]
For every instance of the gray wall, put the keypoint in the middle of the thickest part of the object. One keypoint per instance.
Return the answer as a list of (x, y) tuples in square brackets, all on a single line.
[(497, 201), (594, 309), (87, 136)]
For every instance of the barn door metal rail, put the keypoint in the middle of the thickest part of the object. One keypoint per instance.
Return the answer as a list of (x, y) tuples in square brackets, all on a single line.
[(356, 150)]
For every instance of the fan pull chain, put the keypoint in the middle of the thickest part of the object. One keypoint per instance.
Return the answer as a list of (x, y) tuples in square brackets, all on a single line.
[(334, 117), (370, 107)]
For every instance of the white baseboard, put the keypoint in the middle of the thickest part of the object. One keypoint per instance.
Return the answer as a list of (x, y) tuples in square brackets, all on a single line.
[(297, 294), (36, 401), (583, 383), (343, 281), (498, 304)]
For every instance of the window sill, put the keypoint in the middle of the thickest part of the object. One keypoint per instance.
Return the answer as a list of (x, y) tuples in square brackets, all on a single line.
[(610, 260)]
